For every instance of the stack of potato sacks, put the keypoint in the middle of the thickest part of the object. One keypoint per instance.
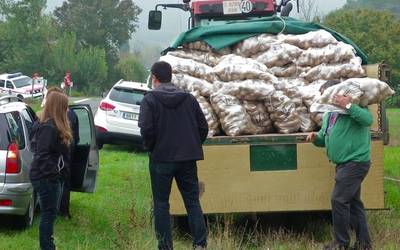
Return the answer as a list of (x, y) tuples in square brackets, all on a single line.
[(267, 83)]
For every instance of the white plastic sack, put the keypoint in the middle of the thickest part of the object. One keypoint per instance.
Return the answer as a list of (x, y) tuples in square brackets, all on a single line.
[(211, 117), (233, 67), (279, 54), (332, 53), (312, 39), (259, 116), (203, 46), (208, 58), (255, 45), (191, 84), (283, 113), (250, 90), (363, 91), (335, 71), (189, 67), (232, 115), (306, 122)]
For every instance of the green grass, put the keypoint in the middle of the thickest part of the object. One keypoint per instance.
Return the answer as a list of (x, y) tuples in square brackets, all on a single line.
[(394, 126), (118, 216)]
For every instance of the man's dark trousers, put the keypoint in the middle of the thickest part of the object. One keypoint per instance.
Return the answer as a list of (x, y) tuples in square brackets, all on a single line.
[(347, 207), (185, 174)]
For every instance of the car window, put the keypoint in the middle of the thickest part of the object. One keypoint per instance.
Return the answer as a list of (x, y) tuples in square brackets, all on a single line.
[(28, 120), (9, 85), (2, 82), (125, 95), (4, 139), (22, 82), (16, 128), (85, 131)]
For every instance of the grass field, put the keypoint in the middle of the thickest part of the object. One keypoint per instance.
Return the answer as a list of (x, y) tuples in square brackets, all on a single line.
[(118, 215)]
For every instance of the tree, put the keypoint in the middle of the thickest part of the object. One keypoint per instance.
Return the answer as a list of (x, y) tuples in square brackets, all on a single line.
[(91, 70), (309, 10), (131, 69), (376, 32), (105, 24), (64, 55), (26, 36), (389, 5)]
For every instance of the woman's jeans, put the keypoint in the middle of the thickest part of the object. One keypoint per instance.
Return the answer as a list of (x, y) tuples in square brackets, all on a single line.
[(48, 192)]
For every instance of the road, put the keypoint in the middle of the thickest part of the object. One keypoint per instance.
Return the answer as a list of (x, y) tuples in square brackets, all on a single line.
[(92, 101)]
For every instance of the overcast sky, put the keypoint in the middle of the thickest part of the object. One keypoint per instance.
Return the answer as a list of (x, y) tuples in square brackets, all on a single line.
[(175, 21)]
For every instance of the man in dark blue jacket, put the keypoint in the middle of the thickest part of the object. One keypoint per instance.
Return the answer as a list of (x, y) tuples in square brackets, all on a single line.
[(173, 128)]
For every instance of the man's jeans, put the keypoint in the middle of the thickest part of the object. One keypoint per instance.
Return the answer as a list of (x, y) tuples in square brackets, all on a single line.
[(49, 194), (185, 174), (347, 207)]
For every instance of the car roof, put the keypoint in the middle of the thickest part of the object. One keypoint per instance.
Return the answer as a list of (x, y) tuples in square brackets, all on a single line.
[(11, 106), (13, 76), (132, 85)]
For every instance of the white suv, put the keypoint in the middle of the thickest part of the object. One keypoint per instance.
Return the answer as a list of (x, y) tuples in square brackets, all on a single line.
[(117, 117), (20, 85)]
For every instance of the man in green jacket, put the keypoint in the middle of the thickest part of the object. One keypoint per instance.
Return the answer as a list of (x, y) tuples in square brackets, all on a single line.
[(347, 140)]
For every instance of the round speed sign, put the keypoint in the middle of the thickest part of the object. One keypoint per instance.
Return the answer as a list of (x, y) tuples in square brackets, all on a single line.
[(246, 6)]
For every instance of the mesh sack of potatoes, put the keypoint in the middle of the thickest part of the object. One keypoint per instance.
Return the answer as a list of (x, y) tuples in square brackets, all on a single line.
[(306, 122), (284, 82), (190, 84), (335, 71), (208, 58), (203, 46), (233, 67), (317, 117), (255, 45), (279, 54), (283, 113), (259, 116), (211, 117), (251, 90), (363, 91), (310, 93), (287, 71), (312, 39), (189, 67), (232, 115), (294, 94), (332, 53)]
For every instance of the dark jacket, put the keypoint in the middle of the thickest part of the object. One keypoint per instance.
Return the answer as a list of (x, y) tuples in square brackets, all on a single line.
[(47, 147), (74, 124), (172, 125)]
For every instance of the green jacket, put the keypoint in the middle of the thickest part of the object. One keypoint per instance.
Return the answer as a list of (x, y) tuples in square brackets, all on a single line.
[(349, 139)]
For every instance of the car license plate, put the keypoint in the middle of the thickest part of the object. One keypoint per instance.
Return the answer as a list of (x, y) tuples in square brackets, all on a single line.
[(130, 116)]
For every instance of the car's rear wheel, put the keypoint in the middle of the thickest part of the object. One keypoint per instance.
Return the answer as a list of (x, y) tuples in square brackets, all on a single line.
[(20, 97), (26, 220)]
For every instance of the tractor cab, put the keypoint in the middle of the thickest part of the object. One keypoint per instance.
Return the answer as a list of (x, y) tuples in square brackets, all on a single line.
[(210, 12)]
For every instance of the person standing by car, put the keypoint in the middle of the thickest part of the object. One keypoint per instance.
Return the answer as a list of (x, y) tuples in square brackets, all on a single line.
[(348, 142), (173, 128), (67, 83), (51, 139), (66, 171)]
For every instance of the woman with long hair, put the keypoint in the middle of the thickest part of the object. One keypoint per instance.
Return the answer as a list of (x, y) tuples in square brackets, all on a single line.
[(51, 139)]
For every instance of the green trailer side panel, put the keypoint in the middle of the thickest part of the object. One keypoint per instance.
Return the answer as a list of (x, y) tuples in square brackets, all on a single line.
[(273, 157)]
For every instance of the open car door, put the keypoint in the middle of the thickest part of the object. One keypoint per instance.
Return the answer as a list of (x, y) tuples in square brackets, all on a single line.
[(85, 158)]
